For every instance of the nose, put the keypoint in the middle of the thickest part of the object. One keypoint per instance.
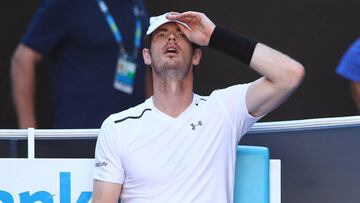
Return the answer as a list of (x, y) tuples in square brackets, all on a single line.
[(172, 37)]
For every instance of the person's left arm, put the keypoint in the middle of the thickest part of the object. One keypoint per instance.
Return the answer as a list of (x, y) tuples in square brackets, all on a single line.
[(281, 74)]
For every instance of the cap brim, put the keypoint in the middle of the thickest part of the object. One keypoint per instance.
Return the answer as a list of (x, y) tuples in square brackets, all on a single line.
[(156, 22)]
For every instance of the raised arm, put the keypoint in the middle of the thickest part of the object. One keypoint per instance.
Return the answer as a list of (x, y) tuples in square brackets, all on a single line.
[(106, 192), (281, 74), (23, 65)]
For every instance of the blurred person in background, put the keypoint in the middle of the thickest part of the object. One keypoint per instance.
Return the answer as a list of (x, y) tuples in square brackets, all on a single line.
[(349, 68), (96, 70)]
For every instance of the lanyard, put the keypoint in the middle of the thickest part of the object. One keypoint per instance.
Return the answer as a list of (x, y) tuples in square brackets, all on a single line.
[(116, 32)]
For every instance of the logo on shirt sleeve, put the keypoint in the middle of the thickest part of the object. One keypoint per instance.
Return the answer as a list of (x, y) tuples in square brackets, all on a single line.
[(101, 163)]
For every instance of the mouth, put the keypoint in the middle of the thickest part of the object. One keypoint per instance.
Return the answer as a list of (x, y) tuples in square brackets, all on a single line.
[(171, 50)]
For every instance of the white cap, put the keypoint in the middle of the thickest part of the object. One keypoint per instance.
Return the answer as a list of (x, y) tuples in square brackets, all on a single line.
[(157, 21)]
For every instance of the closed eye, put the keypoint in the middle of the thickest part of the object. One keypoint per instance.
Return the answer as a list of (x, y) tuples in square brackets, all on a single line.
[(161, 35), (181, 35)]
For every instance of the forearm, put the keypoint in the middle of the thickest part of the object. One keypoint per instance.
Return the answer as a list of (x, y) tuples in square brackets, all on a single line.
[(23, 83), (275, 66), (281, 74), (23, 87), (231, 43), (281, 71)]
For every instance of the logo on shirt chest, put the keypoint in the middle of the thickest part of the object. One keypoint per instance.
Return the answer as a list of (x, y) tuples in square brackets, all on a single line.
[(196, 125)]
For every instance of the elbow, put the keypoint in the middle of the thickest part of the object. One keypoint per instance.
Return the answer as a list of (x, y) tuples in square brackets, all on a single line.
[(18, 58), (295, 75), (23, 60), (14, 59), (15, 62), (18, 70)]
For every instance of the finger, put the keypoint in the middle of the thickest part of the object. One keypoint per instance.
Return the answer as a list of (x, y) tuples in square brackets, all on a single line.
[(191, 22), (174, 13), (185, 30), (185, 16)]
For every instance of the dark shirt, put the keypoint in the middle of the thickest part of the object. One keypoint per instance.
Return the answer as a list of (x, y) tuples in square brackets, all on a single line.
[(76, 37), (349, 66)]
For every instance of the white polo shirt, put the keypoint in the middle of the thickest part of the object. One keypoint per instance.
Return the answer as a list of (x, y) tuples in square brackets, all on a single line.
[(160, 159)]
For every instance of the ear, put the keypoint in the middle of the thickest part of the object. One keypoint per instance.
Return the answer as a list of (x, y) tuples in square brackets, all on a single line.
[(146, 56), (196, 57)]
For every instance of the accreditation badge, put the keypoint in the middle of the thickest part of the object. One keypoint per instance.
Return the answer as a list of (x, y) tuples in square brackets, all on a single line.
[(125, 75)]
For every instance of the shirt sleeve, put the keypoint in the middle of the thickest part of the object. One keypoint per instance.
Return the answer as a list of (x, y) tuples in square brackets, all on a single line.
[(108, 165), (47, 27), (349, 66), (233, 100)]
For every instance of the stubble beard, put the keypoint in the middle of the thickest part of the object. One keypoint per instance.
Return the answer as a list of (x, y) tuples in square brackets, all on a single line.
[(170, 76)]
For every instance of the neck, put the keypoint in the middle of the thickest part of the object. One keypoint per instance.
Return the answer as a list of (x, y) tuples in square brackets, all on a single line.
[(172, 97)]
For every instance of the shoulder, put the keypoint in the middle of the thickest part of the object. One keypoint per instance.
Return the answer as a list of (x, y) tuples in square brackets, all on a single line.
[(349, 65), (354, 47), (357, 43), (234, 89), (52, 10), (353, 51), (116, 124), (234, 92), (132, 114)]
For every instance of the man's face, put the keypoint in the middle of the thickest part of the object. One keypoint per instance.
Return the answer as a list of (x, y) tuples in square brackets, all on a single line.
[(171, 52)]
